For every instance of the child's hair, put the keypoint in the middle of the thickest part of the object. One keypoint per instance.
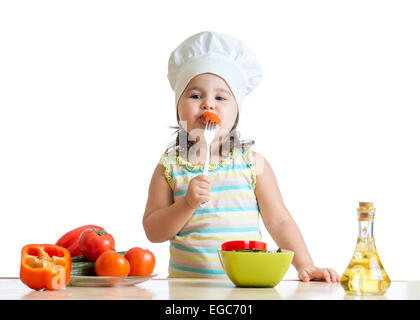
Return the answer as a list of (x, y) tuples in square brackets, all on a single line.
[(233, 136)]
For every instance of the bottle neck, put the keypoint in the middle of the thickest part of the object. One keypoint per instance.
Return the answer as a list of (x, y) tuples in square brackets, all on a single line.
[(365, 229)]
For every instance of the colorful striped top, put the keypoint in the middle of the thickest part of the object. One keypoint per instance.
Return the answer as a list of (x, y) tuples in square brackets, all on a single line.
[(231, 214)]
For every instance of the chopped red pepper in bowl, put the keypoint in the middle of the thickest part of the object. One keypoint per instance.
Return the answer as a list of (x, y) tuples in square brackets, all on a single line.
[(244, 245)]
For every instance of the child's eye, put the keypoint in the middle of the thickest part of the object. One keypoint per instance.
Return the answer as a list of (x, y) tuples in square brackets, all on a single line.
[(220, 98), (195, 96)]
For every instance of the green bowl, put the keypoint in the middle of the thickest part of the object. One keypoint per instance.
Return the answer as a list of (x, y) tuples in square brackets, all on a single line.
[(256, 269)]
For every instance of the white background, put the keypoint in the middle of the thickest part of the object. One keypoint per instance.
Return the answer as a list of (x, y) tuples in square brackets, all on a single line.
[(85, 107)]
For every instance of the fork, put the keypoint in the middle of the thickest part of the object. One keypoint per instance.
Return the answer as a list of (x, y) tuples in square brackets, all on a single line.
[(209, 134)]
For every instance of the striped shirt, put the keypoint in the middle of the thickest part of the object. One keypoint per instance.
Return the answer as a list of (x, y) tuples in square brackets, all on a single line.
[(231, 214)]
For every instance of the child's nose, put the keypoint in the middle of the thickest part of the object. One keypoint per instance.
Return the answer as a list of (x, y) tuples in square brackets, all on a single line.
[(207, 106)]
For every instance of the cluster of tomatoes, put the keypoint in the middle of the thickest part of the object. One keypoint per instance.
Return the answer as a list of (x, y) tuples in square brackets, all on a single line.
[(135, 262), (96, 244), (49, 266)]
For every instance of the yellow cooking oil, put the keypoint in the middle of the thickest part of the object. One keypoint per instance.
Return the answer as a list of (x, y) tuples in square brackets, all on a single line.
[(365, 274)]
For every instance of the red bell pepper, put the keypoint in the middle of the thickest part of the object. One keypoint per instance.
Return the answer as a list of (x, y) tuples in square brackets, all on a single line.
[(243, 245), (45, 266), (209, 116), (70, 240)]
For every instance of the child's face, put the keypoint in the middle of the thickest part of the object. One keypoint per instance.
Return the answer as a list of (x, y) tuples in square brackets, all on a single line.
[(207, 92)]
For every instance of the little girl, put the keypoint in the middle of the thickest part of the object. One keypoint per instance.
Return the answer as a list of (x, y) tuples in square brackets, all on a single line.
[(214, 72)]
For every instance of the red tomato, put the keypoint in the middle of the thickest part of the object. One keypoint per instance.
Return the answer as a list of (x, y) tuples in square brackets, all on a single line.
[(70, 240), (142, 261), (112, 264), (93, 242)]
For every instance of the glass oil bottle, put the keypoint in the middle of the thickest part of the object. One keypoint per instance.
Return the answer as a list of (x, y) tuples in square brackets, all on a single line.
[(365, 274)]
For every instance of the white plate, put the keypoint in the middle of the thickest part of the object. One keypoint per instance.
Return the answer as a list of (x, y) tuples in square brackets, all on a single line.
[(95, 281)]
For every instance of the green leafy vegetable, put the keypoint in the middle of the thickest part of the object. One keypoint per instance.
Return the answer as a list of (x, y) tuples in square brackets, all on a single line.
[(257, 250)]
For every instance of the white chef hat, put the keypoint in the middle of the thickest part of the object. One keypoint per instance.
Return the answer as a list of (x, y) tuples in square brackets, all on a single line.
[(220, 54)]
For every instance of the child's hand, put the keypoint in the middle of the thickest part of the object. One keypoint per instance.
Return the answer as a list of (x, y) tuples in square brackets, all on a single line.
[(314, 273), (198, 191)]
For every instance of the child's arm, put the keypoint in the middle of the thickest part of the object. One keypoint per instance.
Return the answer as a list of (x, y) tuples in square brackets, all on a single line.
[(281, 225), (163, 218)]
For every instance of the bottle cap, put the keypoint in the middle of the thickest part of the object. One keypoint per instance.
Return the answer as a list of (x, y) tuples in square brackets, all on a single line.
[(366, 211)]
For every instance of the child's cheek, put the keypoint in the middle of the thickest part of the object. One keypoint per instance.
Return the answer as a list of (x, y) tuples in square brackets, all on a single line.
[(226, 120)]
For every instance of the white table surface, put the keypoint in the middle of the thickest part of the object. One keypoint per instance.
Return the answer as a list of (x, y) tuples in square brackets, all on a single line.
[(204, 289)]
